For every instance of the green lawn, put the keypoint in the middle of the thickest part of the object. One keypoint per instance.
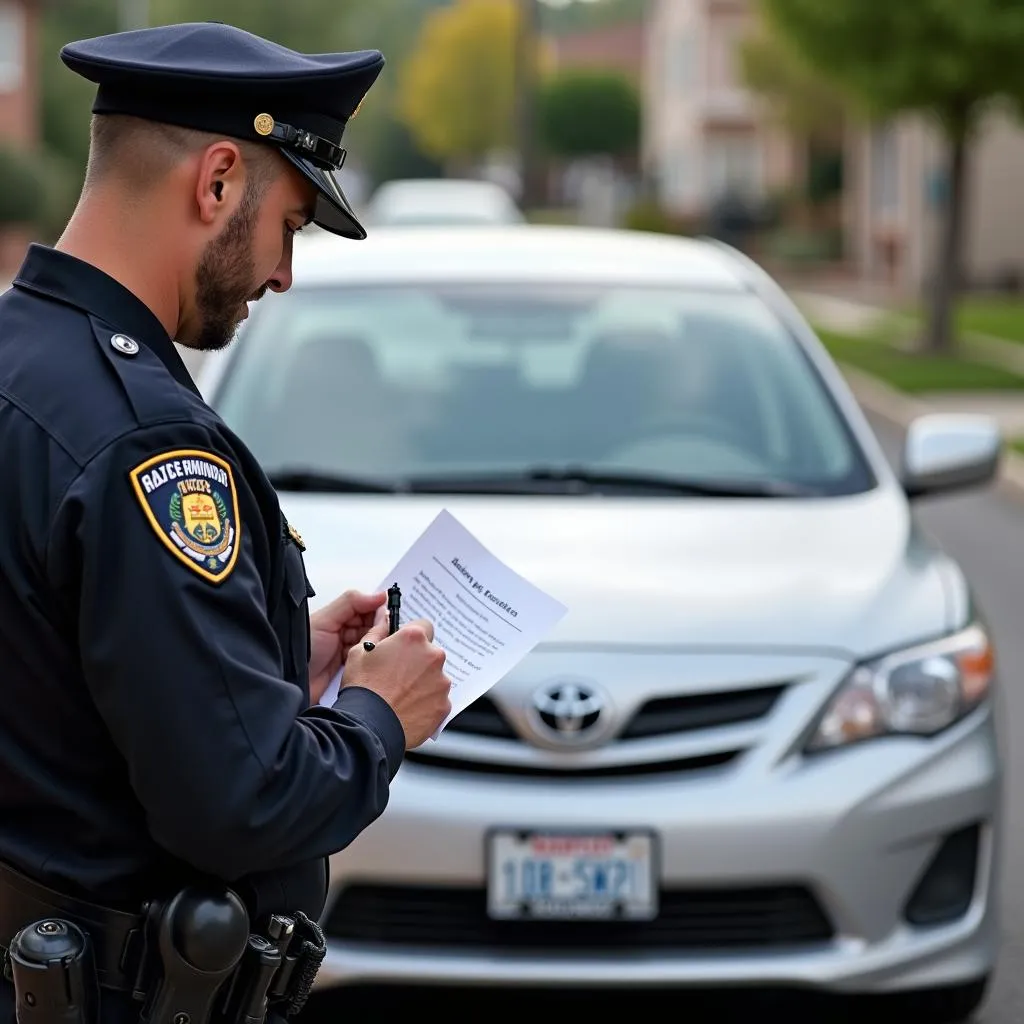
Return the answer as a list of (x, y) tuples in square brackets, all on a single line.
[(912, 372), (1000, 317)]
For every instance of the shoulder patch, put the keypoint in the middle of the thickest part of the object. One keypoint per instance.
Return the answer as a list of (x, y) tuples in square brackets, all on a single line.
[(189, 499)]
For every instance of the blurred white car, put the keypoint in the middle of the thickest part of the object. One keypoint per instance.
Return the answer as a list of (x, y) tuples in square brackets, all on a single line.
[(760, 747), (435, 201)]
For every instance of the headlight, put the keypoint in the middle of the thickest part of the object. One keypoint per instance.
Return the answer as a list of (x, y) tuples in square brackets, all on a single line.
[(919, 691)]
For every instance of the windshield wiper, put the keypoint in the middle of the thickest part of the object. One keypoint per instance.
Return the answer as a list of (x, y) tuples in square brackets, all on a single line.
[(329, 483), (532, 480), (579, 480)]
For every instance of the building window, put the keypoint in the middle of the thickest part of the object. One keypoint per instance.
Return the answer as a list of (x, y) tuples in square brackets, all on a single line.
[(679, 182), (885, 171), (12, 45), (681, 60), (726, 37), (733, 167)]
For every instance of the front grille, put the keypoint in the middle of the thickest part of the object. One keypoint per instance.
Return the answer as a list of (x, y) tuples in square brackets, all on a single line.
[(698, 919), (701, 711), (669, 766), (482, 718), (661, 717)]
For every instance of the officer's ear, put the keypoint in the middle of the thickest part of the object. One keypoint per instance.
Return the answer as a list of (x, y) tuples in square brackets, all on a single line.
[(220, 181)]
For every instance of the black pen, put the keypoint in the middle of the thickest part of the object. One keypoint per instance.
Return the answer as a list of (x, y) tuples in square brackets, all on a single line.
[(394, 607)]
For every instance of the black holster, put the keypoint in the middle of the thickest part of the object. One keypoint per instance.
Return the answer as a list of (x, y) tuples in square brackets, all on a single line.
[(202, 960), (303, 950), (192, 959), (193, 944), (51, 966)]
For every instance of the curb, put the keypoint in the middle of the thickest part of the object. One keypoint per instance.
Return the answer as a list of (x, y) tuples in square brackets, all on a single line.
[(883, 400), (899, 409)]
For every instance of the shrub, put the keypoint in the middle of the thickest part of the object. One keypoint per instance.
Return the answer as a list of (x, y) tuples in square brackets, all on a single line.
[(648, 215), (23, 187)]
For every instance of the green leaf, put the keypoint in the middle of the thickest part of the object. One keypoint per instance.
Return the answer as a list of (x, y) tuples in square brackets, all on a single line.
[(586, 113), (946, 57)]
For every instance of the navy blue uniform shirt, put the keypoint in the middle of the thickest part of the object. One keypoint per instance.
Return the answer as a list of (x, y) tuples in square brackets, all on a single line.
[(153, 627)]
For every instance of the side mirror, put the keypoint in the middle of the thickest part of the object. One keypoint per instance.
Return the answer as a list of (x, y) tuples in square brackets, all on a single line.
[(950, 451)]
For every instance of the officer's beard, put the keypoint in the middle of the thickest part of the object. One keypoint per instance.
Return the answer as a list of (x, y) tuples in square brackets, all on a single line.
[(224, 278)]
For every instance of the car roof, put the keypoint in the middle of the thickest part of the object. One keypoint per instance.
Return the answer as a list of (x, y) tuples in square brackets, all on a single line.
[(527, 253), (419, 198)]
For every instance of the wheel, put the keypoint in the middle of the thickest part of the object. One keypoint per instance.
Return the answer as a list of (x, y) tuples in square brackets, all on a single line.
[(954, 1004)]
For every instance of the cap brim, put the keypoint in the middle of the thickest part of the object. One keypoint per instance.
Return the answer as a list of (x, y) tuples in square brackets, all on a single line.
[(333, 211)]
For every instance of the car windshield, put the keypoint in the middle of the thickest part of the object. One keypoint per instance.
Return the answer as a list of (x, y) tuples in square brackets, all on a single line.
[(526, 386)]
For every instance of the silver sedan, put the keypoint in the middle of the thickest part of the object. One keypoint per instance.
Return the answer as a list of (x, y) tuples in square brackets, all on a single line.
[(761, 746)]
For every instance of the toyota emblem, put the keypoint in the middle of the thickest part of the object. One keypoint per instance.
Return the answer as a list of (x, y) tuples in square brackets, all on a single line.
[(569, 711)]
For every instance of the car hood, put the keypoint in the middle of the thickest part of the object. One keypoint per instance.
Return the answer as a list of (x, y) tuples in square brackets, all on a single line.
[(849, 575)]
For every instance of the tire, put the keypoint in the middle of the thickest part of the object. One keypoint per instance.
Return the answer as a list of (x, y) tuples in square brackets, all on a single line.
[(954, 1004)]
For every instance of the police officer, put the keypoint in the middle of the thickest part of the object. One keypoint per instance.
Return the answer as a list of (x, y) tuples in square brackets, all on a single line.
[(159, 672)]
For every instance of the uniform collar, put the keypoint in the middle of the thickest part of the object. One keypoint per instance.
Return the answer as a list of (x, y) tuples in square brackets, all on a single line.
[(67, 279)]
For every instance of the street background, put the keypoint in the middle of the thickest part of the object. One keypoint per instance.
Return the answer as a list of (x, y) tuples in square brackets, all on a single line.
[(868, 154)]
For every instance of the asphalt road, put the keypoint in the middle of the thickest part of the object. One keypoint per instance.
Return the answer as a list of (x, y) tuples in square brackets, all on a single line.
[(984, 530)]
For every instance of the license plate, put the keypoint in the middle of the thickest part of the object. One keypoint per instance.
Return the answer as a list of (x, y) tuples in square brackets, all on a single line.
[(570, 875)]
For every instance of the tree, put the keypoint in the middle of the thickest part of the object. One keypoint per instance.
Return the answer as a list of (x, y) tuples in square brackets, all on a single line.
[(803, 99), (316, 25), (456, 91), (377, 140), (22, 190), (589, 113), (948, 59), (67, 98), (812, 109), (390, 152)]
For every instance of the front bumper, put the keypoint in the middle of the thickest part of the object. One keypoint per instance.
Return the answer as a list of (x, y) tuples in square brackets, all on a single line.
[(857, 829)]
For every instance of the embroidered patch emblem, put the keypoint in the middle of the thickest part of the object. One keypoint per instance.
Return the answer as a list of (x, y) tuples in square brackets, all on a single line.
[(190, 501)]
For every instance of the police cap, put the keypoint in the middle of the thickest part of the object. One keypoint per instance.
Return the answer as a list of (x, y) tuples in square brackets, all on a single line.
[(217, 78)]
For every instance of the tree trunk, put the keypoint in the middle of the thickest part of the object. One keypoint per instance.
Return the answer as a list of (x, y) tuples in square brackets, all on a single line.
[(945, 282), (525, 103)]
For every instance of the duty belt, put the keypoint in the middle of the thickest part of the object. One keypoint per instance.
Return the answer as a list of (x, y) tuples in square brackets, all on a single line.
[(271, 971)]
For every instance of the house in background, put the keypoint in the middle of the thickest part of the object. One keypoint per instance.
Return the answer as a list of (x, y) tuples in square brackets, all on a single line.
[(894, 191), (618, 48), (19, 80), (706, 135)]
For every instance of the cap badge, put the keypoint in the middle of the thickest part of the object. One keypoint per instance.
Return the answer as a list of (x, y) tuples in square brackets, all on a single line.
[(264, 124)]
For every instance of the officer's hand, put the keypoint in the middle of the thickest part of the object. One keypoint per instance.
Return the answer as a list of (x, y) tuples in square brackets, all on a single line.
[(406, 669), (333, 631)]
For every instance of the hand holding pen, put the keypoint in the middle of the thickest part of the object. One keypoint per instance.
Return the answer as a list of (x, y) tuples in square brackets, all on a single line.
[(394, 614), (407, 671)]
